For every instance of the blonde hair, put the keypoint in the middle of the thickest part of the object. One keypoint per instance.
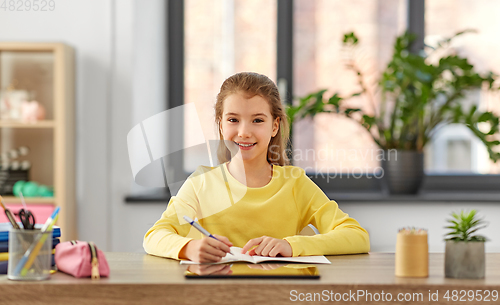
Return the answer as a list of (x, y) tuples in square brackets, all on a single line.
[(253, 84)]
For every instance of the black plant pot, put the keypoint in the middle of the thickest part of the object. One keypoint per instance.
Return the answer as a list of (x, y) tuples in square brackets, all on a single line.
[(403, 171)]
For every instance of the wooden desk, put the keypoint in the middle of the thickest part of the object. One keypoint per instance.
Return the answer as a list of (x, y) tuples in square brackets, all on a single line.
[(142, 279)]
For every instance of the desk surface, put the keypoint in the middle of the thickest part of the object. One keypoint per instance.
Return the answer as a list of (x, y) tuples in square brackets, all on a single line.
[(140, 278)]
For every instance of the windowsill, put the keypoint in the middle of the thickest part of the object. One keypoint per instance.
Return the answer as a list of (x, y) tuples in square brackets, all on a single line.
[(451, 197), (344, 188), (158, 196), (444, 197)]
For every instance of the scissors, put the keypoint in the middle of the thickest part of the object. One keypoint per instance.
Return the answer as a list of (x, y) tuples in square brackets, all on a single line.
[(27, 219)]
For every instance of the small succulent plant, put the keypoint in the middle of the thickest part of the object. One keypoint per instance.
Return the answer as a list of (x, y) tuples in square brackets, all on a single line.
[(464, 225)]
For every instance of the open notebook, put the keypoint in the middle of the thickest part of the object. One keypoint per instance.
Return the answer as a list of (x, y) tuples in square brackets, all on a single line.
[(240, 257)]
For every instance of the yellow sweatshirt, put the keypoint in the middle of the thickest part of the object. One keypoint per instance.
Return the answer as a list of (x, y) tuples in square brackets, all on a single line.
[(280, 209)]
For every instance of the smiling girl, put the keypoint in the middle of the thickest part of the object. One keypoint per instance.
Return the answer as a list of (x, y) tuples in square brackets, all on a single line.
[(254, 199)]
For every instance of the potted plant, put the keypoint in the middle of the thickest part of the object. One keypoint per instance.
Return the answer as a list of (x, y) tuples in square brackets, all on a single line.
[(464, 252), (416, 95)]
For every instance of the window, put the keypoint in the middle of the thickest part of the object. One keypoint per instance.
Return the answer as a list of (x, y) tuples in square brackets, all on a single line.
[(455, 149), (331, 143), (223, 37)]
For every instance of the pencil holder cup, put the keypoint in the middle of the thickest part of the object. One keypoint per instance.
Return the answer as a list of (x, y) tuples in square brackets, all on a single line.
[(412, 255), (34, 265)]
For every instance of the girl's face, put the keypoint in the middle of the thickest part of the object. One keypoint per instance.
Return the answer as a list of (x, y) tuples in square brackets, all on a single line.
[(249, 125)]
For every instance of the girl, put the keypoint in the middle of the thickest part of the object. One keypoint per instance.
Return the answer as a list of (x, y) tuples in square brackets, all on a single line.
[(253, 199)]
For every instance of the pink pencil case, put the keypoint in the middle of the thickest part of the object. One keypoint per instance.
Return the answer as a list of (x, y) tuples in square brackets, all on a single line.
[(81, 259)]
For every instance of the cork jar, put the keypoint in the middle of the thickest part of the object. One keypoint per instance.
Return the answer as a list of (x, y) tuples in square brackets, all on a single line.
[(412, 255)]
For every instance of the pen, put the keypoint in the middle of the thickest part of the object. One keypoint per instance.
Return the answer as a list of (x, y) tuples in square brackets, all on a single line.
[(30, 254), (9, 215), (22, 200), (200, 228)]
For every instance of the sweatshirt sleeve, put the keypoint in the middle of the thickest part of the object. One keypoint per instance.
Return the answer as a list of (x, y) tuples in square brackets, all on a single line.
[(168, 235), (339, 233)]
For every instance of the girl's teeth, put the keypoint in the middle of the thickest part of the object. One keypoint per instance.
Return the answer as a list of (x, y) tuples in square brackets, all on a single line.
[(245, 145)]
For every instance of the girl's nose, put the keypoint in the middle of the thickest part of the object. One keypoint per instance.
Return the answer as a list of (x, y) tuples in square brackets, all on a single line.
[(244, 131)]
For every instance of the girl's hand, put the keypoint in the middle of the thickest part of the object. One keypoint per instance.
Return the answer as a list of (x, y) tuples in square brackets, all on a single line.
[(268, 246), (206, 250)]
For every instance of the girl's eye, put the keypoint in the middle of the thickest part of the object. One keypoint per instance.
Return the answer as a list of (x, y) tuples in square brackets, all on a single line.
[(258, 120), (232, 120)]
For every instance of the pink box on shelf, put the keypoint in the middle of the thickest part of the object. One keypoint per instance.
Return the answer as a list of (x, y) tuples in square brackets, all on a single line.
[(40, 211)]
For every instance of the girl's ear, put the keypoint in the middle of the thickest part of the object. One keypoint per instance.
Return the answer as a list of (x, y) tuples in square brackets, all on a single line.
[(276, 126)]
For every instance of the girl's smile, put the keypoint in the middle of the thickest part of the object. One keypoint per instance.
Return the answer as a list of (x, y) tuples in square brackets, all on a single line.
[(248, 123), (245, 146)]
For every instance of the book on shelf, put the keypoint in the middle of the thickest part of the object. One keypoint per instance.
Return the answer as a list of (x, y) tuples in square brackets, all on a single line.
[(5, 255), (6, 226), (4, 265), (4, 245)]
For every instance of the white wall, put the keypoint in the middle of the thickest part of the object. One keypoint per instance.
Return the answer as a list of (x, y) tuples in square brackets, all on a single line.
[(383, 220), (104, 35), (139, 93)]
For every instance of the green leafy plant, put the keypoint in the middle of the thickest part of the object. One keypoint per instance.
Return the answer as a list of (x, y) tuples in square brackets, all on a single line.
[(463, 226), (416, 97)]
